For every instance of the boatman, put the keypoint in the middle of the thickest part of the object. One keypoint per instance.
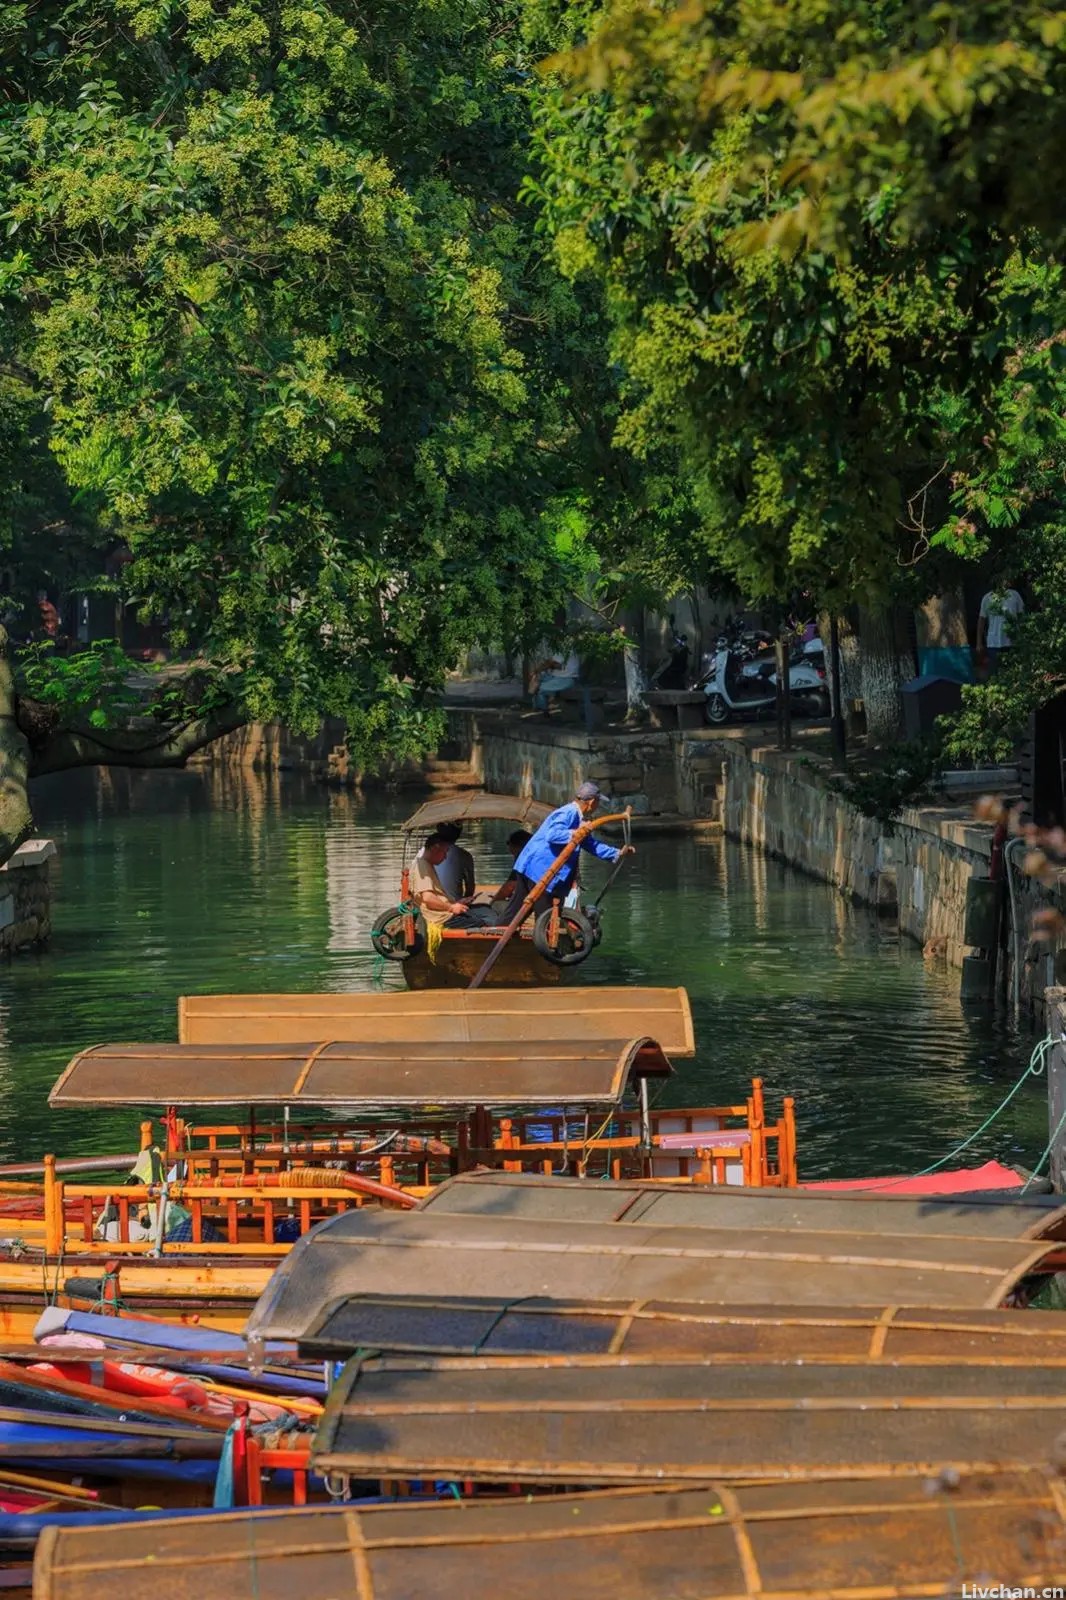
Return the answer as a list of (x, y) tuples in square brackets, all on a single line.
[(554, 833)]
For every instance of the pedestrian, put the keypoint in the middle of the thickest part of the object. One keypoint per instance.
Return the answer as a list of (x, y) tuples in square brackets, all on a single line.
[(998, 607)]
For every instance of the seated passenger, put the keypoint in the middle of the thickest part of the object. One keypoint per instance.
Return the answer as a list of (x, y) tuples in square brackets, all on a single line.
[(516, 843), (456, 871), (427, 890), (430, 894)]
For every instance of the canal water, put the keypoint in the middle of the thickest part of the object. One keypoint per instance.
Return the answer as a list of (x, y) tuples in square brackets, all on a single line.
[(206, 881)]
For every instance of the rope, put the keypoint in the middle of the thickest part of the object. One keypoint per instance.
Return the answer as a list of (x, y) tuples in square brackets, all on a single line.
[(1047, 1151), (497, 1319), (102, 1302), (1037, 1064)]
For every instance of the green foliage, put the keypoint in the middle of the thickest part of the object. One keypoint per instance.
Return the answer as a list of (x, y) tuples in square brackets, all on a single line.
[(269, 284), (1009, 511), (799, 387), (857, 112), (95, 686), (899, 775)]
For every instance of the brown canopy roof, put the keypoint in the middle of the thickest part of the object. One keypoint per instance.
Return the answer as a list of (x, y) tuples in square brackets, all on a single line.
[(888, 1536), (426, 1252), (601, 1420), (396, 1074), (478, 806), (432, 1325), (535, 1197), (454, 1015)]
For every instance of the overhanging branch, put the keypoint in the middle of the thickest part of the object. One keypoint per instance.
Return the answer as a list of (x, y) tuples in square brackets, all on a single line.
[(82, 747)]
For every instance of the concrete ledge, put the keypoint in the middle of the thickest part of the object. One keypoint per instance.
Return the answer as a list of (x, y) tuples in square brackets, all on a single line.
[(34, 853)]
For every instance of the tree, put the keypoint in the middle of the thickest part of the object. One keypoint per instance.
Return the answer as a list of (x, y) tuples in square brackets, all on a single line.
[(274, 306), (796, 368), (1009, 514)]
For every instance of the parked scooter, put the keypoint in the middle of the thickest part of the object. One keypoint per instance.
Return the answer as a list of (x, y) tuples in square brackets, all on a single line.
[(733, 693)]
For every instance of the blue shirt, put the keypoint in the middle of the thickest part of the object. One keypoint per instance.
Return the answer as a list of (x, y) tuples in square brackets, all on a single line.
[(554, 833)]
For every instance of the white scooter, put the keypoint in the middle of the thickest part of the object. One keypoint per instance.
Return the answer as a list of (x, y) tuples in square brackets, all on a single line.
[(733, 693)]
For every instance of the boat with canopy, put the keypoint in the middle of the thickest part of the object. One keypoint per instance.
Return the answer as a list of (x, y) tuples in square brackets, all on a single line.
[(541, 949), (255, 1140)]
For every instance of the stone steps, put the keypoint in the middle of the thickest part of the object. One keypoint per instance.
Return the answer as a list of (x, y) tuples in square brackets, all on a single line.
[(445, 774)]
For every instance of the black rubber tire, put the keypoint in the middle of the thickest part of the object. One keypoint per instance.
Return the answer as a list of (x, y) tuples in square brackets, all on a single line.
[(577, 937), (716, 711), (387, 936)]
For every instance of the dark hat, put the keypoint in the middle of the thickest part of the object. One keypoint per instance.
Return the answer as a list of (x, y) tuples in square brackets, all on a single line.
[(590, 791)]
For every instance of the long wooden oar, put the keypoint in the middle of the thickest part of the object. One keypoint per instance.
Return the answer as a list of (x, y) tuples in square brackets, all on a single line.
[(576, 839)]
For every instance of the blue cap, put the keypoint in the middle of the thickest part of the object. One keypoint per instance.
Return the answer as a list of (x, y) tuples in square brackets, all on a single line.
[(589, 791)]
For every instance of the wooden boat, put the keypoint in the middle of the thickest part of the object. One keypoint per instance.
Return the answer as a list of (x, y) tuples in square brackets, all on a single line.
[(542, 1082), (538, 954), (890, 1535)]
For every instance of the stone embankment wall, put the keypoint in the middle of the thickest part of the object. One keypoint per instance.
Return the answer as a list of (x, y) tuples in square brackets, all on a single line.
[(268, 747), (25, 897), (919, 870), (782, 804)]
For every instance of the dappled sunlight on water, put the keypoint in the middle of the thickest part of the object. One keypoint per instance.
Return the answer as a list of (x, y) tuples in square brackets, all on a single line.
[(171, 883)]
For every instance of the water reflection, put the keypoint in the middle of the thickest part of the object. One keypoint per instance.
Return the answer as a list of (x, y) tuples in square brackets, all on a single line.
[(174, 883)]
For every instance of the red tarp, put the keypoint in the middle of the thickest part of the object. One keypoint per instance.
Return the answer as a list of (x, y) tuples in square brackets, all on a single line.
[(966, 1180)]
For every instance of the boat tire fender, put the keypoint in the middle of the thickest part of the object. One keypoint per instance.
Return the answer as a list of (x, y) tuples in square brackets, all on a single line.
[(387, 936), (576, 939)]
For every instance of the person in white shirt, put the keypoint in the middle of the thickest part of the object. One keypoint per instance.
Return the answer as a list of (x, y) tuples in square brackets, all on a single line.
[(456, 871), (994, 625), (556, 675)]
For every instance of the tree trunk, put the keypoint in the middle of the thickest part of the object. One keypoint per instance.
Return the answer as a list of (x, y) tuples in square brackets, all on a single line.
[(16, 818), (882, 673), (636, 677), (47, 749)]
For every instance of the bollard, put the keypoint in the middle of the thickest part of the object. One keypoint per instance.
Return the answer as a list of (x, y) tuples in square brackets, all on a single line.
[(1055, 1000), (976, 984)]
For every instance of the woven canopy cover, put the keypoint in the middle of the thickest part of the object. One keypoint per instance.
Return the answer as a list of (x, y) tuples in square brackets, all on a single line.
[(886, 1537), (402, 1073), (426, 1253), (459, 1016), (478, 807)]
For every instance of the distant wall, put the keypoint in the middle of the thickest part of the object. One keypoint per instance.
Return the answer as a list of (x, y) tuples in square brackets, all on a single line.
[(25, 897), (269, 747)]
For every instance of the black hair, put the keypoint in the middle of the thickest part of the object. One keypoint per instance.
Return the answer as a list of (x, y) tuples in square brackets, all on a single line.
[(518, 838), (436, 838)]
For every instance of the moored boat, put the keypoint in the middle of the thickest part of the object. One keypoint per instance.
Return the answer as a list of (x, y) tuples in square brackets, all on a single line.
[(429, 1085)]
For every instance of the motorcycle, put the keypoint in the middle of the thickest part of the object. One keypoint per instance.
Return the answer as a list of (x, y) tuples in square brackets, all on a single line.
[(733, 692)]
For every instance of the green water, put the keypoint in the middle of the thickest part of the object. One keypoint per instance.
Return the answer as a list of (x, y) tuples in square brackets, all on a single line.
[(197, 882)]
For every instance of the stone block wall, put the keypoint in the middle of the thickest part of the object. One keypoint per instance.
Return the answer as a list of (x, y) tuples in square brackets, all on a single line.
[(269, 747), (25, 897), (549, 759), (921, 869)]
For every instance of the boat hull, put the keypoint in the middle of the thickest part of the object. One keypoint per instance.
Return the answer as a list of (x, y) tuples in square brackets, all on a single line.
[(459, 960), (217, 1292)]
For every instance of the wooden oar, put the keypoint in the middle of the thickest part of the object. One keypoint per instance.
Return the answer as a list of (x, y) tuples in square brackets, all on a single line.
[(576, 839)]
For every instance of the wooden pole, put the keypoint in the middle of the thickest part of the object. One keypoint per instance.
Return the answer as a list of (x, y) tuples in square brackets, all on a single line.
[(53, 1210), (840, 743), (576, 839)]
